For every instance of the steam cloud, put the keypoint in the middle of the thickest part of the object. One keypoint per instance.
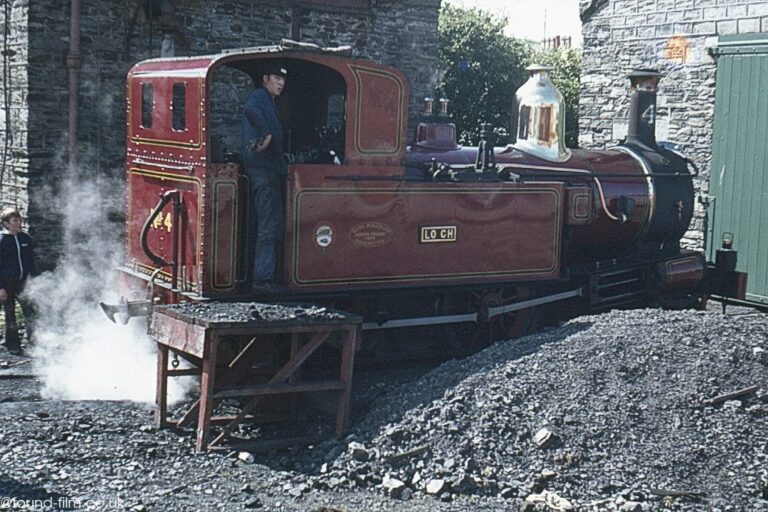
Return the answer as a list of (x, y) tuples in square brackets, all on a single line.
[(79, 354)]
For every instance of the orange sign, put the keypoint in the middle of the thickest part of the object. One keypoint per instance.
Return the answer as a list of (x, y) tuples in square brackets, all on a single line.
[(678, 49)]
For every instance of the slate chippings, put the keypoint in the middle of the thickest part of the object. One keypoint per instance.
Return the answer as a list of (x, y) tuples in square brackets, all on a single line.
[(628, 411)]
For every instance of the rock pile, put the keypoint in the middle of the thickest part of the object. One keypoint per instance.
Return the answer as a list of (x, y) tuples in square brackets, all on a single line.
[(631, 410), (252, 311), (628, 411)]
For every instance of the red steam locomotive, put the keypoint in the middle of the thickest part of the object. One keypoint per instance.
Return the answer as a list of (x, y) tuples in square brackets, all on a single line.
[(431, 233)]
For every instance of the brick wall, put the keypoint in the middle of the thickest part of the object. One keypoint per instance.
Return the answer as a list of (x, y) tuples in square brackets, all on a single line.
[(393, 32), (673, 36)]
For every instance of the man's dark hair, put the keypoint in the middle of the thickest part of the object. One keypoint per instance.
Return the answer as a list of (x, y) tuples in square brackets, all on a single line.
[(8, 214)]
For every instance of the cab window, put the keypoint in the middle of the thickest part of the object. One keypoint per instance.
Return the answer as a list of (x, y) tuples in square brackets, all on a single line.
[(147, 105), (178, 107)]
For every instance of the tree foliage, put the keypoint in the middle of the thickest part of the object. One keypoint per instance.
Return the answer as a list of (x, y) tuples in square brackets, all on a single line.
[(483, 68), (565, 76)]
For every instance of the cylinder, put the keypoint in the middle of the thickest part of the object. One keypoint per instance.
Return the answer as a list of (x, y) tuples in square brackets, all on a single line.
[(681, 273)]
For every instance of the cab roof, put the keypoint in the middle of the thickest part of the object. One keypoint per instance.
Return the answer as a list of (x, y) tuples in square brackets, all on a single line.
[(243, 58)]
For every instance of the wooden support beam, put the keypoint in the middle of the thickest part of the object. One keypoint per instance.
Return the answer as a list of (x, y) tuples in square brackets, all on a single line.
[(185, 372), (206, 392), (161, 391), (279, 389), (345, 377), (291, 366), (227, 370)]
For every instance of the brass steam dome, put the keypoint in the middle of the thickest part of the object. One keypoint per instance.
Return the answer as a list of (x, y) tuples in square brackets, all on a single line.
[(541, 117)]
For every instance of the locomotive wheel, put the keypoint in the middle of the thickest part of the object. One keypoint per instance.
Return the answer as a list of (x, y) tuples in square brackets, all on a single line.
[(472, 338), (518, 323), (510, 325)]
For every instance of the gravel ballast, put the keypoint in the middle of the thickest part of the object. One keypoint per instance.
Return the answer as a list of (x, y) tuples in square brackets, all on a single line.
[(629, 410), (626, 407)]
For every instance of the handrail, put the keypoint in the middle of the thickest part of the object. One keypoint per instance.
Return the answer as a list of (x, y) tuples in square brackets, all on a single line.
[(187, 168), (165, 198)]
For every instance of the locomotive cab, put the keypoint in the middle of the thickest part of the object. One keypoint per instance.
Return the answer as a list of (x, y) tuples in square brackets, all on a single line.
[(187, 213)]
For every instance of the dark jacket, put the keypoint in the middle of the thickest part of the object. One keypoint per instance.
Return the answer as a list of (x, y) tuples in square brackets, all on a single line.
[(260, 118), (17, 260)]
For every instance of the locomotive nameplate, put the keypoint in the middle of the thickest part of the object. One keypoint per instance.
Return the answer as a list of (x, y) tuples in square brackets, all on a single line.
[(432, 234)]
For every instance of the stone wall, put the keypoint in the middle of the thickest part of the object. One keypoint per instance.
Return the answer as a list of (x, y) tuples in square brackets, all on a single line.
[(673, 36), (114, 35)]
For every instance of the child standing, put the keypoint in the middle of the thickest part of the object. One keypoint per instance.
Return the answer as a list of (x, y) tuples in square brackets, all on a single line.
[(17, 262)]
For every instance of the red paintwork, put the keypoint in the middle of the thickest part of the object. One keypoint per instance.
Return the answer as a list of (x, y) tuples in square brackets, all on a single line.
[(159, 158), (601, 236), (505, 232), (684, 272), (606, 237)]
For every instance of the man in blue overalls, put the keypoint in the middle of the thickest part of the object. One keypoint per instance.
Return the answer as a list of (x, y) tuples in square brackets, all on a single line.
[(266, 168)]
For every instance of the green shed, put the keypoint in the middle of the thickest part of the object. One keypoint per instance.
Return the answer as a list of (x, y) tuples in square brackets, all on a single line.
[(738, 196)]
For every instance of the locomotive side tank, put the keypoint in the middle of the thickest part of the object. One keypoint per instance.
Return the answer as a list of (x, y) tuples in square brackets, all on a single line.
[(366, 215), (637, 197)]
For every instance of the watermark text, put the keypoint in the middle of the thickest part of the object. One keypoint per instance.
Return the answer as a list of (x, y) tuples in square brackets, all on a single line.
[(61, 503)]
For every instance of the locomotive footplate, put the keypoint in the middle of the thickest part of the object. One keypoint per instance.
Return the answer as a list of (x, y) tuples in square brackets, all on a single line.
[(227, 345)]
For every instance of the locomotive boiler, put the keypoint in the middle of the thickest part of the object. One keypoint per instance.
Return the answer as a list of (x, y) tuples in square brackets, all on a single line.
[(406, 235)]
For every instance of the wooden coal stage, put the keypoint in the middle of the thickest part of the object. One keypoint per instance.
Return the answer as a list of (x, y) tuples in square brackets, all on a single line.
[(226, 342)]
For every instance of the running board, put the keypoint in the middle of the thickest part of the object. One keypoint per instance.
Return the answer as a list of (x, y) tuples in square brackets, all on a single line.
[(472, 317)]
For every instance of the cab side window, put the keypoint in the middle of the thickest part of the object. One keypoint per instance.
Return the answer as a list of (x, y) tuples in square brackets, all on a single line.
[(179, 106), (147, 104)]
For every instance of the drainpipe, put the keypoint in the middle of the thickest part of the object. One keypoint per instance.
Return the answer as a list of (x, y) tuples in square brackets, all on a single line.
[(73, 64)]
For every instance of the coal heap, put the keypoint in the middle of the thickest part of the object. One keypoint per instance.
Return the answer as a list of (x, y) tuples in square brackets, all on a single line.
[(630, 410), (253, 311)]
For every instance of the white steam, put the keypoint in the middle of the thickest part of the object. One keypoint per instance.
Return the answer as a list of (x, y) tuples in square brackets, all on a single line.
[(79, 354)]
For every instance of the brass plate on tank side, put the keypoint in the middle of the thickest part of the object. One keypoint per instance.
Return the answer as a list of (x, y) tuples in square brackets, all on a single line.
[(433, 234), (370, 234)]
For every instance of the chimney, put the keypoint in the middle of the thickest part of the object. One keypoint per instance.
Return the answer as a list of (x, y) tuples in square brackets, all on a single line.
[(642, 107)]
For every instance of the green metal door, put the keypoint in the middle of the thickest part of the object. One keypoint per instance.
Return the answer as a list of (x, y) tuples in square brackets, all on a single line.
[(738, 182)]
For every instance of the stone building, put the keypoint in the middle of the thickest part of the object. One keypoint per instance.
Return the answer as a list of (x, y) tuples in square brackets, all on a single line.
[(675, 37), (36, 59)]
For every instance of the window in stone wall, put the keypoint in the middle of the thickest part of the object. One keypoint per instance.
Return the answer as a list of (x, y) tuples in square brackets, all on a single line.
[(179, 107), (147, 103)]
